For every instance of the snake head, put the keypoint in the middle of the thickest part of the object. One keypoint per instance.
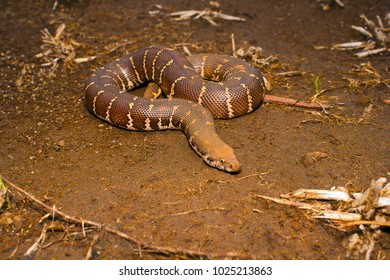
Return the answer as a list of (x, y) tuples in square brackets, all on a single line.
[(223, 159)]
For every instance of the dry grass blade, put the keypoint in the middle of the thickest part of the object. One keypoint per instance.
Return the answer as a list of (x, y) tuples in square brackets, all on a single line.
[(299, 204), (363, 31), (354, 45), (339, 194), (35, 247), (90, 248), (339, 216), (370, 52)]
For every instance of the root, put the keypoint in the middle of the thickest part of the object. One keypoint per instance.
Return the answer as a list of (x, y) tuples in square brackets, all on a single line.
[(293, 102)]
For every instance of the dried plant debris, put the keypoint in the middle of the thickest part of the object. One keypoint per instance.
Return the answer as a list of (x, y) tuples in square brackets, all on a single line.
[(364, 75), (362, 244), (254, 55), (375, 201), (313, 157), (59, 48), (326, 4), (208, 14), (369, 211), (377, 36)]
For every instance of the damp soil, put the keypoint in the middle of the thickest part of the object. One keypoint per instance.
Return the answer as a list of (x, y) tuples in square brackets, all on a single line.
[(151, 185)]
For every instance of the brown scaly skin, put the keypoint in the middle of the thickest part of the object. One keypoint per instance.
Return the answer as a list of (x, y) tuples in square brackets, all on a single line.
[(241, 92), (215, 87)]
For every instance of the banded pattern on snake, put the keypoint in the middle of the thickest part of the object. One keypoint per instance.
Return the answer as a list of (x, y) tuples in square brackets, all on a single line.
[(199, 88)]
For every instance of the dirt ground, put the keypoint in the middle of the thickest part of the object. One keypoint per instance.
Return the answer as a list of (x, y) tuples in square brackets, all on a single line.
[(152, 186)]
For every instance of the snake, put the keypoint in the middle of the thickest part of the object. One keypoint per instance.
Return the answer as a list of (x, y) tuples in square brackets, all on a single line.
[(199, 88)]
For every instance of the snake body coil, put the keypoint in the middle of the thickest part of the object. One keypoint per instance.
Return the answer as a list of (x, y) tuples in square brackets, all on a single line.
[(214, 86)]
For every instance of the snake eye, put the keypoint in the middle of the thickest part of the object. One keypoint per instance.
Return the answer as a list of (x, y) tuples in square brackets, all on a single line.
[(222, 160)]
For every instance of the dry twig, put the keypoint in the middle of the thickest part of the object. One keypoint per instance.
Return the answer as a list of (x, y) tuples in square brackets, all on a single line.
[(34, 248), (90, 249), (99, 226)]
